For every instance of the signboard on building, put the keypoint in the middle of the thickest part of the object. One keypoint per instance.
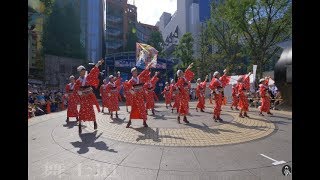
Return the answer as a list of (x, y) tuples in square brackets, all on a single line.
[(124, 63)]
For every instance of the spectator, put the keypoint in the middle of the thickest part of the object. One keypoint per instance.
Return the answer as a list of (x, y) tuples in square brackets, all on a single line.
[(278, 99), (39, 98)]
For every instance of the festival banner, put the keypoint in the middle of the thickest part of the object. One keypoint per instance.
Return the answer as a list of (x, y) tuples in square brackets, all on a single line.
[(145, 54)]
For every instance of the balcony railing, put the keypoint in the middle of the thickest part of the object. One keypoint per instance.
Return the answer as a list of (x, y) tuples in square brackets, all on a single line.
[(114, 19), (113, 44), (113, 32)]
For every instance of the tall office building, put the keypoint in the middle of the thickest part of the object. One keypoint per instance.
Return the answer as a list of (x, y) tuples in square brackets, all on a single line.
[(144, 31), (185, 19), (116, 25), (91, 23)]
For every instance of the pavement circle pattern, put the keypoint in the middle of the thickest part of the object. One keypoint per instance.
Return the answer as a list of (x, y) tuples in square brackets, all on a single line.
[(239, 130)]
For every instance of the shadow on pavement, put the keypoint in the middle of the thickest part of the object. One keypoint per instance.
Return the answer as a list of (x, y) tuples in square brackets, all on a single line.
[(117, 121), (260, 128), (71, 124), (282, 117), (88, 140), (149, 133), (207, 129), (159, 117)]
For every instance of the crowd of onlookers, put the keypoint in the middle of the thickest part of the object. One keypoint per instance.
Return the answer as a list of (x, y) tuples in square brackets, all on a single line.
[(275, 96), (42, 100)]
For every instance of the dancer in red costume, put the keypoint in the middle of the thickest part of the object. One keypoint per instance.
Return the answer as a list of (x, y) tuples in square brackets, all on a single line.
[(265, 96), (235, 98), (167, 95), (217, 85), (103, 95), (73, 99), (225, 81), (243, 90), (183, 85), (127, 94), (216, 91), (175, 94), (201, 93), (87, 97), (138, 108), (149, 87), (112, 91)]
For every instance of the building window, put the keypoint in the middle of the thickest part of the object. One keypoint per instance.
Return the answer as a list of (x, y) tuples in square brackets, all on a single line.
[(62, 68)]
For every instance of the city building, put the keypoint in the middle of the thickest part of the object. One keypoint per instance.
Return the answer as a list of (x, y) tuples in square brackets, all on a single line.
[(59, 69), (116, 25), (35, 32), (144, 31), (92, 28), (185, 19)]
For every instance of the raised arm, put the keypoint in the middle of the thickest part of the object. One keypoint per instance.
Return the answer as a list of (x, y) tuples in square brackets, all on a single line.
[(144, 75), (188, 74), (92, 77), (154, 79)]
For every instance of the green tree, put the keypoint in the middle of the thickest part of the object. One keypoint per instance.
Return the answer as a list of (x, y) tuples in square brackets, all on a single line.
[(48, 4), (184, 50), (61, 35), (223, 37), (262, 25), (204, 61), (156, 41)]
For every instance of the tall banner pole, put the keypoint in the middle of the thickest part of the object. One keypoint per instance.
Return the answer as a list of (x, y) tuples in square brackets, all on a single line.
[(254, 76)]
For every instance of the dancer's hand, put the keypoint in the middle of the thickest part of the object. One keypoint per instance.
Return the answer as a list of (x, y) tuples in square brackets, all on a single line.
[(99, 63), (225, 71), (190, 66)]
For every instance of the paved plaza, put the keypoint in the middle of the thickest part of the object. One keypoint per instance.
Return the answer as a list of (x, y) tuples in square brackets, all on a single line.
[(239, 148)]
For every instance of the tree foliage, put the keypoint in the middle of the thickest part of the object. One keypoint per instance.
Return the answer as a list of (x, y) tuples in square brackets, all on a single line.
[(156, 41), (261, 24), (61, 34), (48, 4), (242, 33), (184, 50)]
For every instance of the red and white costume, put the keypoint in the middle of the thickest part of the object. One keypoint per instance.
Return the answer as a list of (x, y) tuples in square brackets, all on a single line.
[(87, 97), (150, 94), (200, 93), (167, 95), (235, 98), (175, 94), (216, 87), (103, 94), (184, 86), (265, 97), (112, 93), (127, 94), (73, 100), (138, 108), (243, 89)]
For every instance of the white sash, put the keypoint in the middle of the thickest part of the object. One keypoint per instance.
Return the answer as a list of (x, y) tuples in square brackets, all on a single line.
[(112, 84), (71, 86), (136, 80), (83, 81), (219, 81)]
